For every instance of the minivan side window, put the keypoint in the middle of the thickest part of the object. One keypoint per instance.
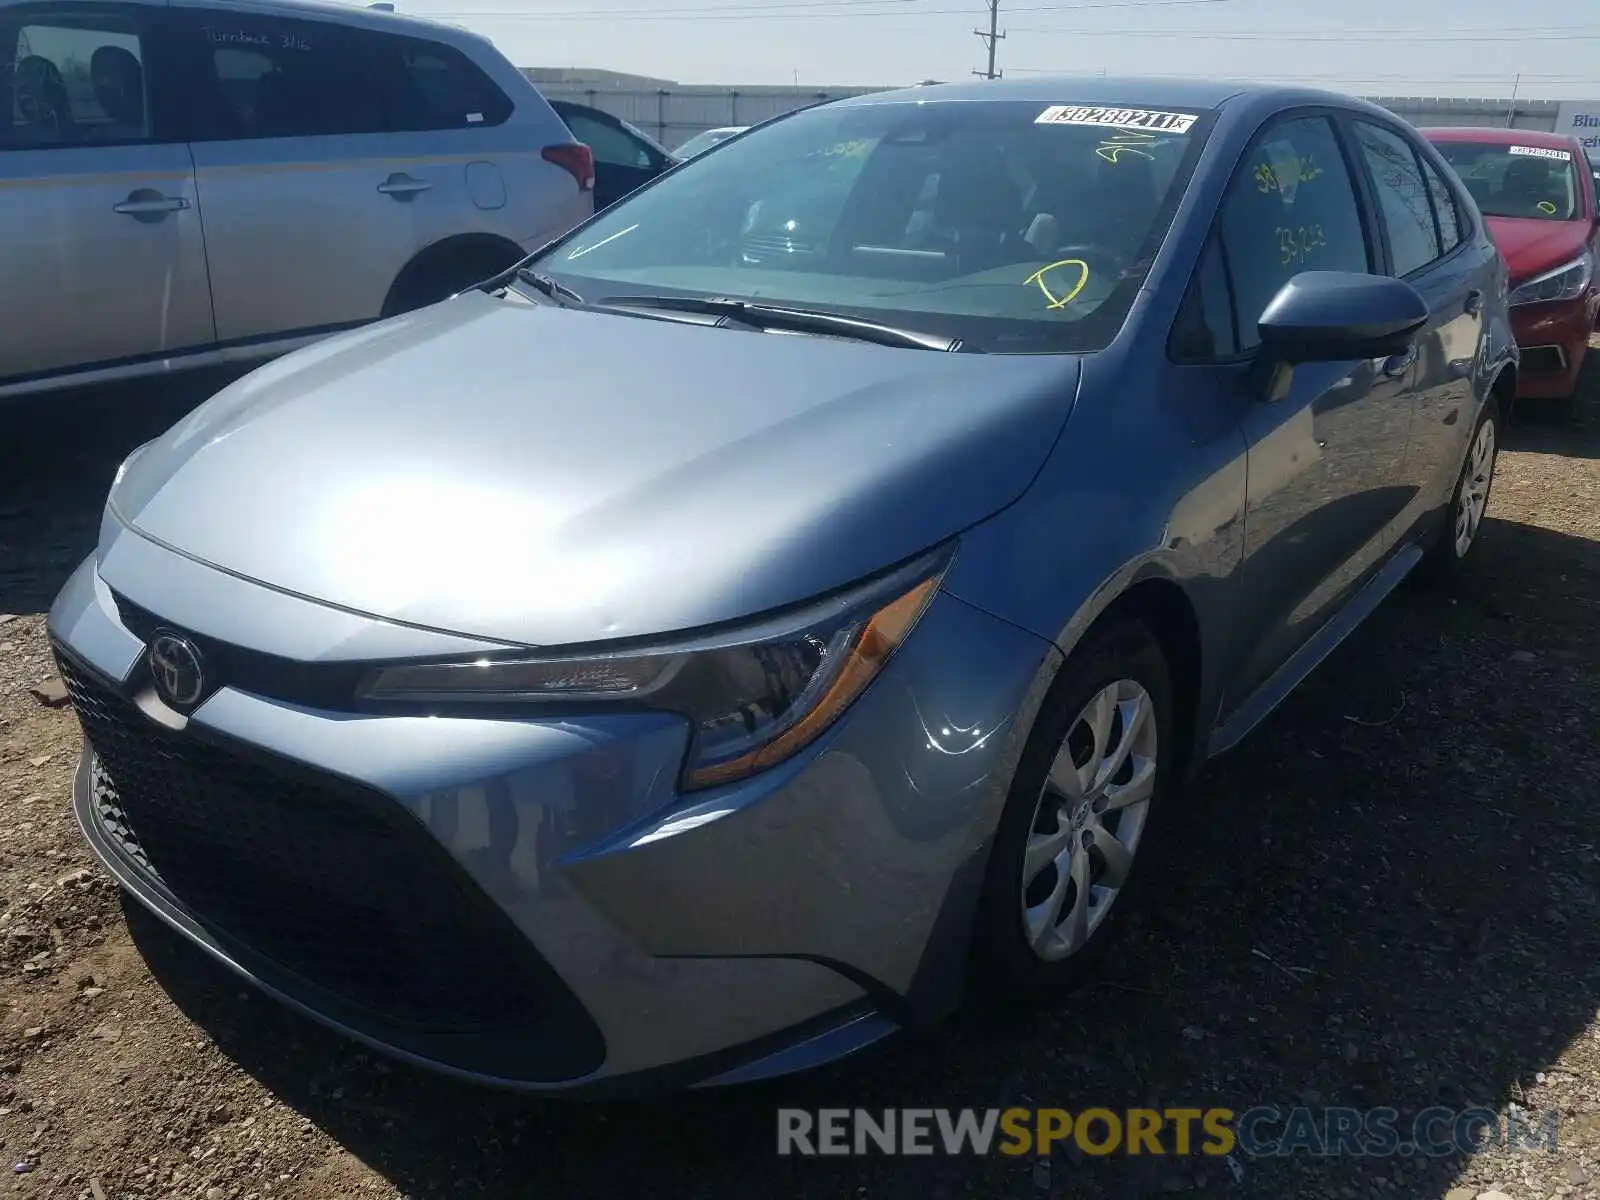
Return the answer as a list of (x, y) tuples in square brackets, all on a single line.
[(270, 77), (1291, 208), (72, 80), (431, 86), (1402, 195)]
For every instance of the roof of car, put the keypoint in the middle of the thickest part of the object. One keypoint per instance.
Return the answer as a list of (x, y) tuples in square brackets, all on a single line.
[(352, 14), (1495, 136), (1145, 91)]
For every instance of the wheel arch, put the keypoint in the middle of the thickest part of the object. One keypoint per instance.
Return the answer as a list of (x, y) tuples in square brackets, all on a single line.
[(442, 256)]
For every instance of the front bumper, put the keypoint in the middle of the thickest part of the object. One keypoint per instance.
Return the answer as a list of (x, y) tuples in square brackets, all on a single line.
[(531, 903), (1553, 339)]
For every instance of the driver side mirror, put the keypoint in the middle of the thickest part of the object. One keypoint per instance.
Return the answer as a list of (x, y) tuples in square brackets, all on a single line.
[(1329, 316)]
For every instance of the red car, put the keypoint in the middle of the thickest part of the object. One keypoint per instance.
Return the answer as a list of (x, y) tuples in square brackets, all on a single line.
[(1537, 195)]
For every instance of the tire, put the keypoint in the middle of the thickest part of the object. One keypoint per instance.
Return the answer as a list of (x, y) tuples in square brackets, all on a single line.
[(441, 279), (1462, 528), (1013, 912)]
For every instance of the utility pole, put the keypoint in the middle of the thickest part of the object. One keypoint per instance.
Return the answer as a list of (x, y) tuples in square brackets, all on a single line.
[(992, 39), (1511, 112)]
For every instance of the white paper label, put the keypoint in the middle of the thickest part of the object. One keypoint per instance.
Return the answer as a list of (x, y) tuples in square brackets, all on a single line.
[(1541, 152), (1117, 118)]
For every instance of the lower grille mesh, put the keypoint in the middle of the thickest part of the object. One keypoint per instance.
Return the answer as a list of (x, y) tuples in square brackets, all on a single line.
[(329, 880)]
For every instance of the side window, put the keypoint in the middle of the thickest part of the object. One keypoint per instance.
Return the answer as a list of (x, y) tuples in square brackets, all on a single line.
[(263, 77), (432, 86), (1204, 330), (1291, 208), (1403, 196), (611, 145), (73, 81), (1444, 207)]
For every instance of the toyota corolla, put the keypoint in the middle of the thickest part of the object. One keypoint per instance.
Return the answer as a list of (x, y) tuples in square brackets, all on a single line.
[(796, 597)]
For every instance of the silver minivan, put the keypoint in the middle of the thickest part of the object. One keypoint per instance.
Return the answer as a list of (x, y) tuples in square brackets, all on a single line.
[(204, 181)]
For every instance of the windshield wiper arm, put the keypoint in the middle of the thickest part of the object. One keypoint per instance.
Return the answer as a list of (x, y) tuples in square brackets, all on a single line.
[(800, 320), (543, 284)]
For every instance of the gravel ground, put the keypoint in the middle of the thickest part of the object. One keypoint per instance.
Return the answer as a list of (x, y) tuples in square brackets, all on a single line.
[(1388, 896)]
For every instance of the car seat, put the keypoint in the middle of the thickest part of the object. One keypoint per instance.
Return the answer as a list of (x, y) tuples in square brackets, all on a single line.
[(42, 102), (118, 81), (1525, 186)]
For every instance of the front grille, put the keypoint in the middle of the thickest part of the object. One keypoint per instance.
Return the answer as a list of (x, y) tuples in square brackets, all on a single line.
[(315, 685), (328, 880)]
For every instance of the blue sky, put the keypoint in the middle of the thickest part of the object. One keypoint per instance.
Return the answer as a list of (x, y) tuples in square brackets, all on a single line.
[(1392, 47)]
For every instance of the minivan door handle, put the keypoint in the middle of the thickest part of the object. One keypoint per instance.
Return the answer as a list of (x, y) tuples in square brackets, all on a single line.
[(145, 202), (402, 186), (1474, 304)]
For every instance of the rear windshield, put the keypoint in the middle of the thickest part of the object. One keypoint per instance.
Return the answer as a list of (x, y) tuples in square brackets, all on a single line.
[(1518, 181), (1015, 227)]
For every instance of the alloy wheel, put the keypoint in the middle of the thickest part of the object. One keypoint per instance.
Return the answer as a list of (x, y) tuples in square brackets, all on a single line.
[(1089, 819), (1475, 483)]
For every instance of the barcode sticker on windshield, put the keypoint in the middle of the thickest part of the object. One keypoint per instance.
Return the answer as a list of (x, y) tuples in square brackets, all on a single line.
[(1116, 118), (1541, 152)]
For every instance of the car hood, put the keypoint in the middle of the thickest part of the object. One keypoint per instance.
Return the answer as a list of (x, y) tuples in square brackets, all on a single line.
[(551, 476), (1532, 247)]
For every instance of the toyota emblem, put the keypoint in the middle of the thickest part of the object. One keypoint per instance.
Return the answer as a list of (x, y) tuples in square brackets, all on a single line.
[(175, 665)]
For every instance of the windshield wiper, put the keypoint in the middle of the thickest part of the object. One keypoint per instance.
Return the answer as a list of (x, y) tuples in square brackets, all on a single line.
[(546, 286), (799, 320)]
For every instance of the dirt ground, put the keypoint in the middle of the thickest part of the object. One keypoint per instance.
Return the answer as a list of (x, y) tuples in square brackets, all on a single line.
[(1389, 896)]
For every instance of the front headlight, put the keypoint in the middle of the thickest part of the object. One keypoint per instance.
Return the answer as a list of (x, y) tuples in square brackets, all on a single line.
[(1566, 282), (754, 696)]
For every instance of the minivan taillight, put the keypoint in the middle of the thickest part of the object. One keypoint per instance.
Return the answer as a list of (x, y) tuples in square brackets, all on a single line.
[(576, 159)]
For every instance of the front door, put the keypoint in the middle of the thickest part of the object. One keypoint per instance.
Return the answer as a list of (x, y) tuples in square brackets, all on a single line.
[(1326, 450), (102, 256)]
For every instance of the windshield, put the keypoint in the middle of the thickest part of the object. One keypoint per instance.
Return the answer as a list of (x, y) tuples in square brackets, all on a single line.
[(1011, 227), (1517, 181)]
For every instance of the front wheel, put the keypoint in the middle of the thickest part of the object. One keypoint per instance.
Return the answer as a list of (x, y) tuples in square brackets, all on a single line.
[(1080, 810), (1469, 502)]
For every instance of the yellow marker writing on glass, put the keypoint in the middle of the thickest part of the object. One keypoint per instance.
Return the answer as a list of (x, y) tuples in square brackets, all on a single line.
[(1038, 277), (1547, 208)]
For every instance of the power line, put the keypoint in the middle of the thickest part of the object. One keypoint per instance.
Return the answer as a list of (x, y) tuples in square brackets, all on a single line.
[(821, 9), (1298, 76), (1582, 33)]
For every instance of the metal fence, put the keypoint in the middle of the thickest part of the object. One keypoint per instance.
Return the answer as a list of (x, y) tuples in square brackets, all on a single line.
[(673, 114)]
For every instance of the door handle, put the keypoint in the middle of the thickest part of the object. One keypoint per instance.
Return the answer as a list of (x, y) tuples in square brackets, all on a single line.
[(1400, 363), (147, 205), (1474, 304), (403, 187)]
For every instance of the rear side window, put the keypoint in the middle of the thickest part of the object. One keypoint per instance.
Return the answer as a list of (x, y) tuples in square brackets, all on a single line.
[(72, 80), (263, 77), (610, 144), (1402, 195), (1444, 207), (1291, 208), (430, 86)]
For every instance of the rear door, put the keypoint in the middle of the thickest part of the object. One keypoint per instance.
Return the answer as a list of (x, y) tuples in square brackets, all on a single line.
[(321, 168), (1422, 228), (102, 259)]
